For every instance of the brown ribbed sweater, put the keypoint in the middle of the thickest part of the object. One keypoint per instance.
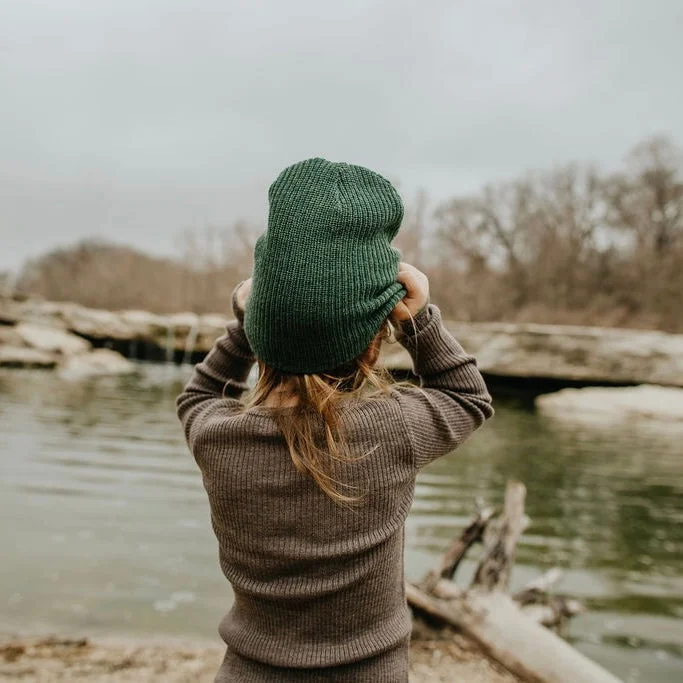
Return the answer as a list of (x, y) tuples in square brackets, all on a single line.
[(319, 584)]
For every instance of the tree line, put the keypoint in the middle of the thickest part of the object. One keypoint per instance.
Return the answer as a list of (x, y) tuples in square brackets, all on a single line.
[(570, 245)]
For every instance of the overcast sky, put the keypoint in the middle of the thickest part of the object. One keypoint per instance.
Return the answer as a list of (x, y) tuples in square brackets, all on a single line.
[(136, 119)]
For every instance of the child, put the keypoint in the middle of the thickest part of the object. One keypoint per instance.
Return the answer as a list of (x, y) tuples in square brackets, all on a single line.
[(311, 478)]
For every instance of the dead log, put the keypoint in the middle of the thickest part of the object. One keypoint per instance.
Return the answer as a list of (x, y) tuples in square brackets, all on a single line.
[(450, 560), (517, 638), (446, 590), (536, 590), (537, 602), (554, 612), (472, 534), (521, 645), (493, 572)]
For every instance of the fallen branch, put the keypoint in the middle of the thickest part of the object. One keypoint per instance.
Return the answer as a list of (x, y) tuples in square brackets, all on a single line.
[(536, 590), (493, 572), (521, 645), (512, 630), (554, 612), (472, 534)]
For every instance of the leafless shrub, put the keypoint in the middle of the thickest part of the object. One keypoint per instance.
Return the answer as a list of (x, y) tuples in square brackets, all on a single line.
[(103, 275), (569, 245)]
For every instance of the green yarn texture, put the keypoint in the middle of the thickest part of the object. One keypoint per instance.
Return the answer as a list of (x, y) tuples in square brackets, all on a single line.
[(325, 271)]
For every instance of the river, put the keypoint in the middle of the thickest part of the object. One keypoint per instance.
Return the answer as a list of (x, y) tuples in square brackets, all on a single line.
[(105, 527)]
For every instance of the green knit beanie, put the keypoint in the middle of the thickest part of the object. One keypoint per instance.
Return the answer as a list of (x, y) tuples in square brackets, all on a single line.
[(325, 272)]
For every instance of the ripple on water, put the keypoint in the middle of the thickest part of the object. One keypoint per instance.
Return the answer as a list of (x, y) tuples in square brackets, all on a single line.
[(115, 528)]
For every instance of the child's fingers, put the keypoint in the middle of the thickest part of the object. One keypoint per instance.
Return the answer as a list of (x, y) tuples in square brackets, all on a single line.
[(400, 312), (409, 280)]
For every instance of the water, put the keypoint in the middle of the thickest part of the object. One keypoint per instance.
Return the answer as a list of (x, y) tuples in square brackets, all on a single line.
[(105, 527)]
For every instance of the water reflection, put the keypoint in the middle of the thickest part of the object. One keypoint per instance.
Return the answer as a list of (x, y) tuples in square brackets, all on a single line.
[(106, 529)]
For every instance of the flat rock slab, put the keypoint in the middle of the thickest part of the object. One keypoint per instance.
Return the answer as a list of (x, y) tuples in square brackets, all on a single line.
[(96, 323), (590, 355), (178, 331), (51, 339), (620, 404), (23, 357), (582, 354), (9, 336), (98, 363)]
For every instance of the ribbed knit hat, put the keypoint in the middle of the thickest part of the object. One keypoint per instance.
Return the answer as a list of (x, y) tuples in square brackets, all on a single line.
[(324, 271)]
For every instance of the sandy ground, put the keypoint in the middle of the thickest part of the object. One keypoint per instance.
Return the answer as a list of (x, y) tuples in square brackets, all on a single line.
[(435, 658)]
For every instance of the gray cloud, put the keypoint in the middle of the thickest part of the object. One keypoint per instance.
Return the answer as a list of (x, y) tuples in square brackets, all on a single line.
[(135, 120)]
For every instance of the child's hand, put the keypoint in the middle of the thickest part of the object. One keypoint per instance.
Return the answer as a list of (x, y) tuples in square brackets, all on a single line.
[(417, 293), (242, 295)]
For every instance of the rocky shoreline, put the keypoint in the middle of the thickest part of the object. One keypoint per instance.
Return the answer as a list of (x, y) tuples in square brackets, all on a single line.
[(36, 333), (136, 335), (434, 659)]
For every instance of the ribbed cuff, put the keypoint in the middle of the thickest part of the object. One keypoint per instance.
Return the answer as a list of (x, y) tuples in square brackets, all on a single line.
[(413, 326), (431, 346)]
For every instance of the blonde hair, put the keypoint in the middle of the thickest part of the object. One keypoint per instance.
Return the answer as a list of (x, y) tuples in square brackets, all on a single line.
[(320, 395)]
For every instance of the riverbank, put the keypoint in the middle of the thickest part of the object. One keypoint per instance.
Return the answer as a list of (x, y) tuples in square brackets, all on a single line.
[(35, 333), (438, 659), (116, 537)]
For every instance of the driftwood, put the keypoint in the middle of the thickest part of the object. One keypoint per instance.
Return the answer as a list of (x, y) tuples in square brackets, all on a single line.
[(493, 572), (516, 631), (538, 604), (471, 535)]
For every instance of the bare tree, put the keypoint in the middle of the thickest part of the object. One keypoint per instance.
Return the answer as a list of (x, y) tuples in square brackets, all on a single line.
[(645, 204), (412, 239), (647, 198), (568, 245)]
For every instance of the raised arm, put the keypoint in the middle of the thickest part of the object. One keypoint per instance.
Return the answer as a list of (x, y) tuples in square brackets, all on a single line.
[(452, 400), (219, 381)]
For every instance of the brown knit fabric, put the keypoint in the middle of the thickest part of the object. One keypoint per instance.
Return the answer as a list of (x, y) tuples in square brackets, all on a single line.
[(390, 666), (317, 584)]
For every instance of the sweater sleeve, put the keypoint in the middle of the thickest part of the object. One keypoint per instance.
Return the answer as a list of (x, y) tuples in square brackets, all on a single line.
[(219, 381), (451, 401)]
